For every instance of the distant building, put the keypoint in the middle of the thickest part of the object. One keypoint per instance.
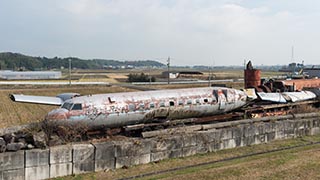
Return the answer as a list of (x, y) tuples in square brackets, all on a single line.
[(182, 74), (30, 74), (292, 68), (312, 72)]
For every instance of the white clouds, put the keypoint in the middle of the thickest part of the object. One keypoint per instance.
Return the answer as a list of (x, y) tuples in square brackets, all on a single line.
[(232, 19), (191, 31)]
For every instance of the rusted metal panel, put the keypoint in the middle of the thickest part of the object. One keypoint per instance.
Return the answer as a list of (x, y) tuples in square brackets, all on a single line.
[(273, 97), (298, 96), (299, 84), (252, 78), (36, 99)]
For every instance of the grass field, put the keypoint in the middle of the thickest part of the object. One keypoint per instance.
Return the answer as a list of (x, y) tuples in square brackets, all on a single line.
[(239, 74), (111, 75), (13, 113), (236, 85), (298, 163)]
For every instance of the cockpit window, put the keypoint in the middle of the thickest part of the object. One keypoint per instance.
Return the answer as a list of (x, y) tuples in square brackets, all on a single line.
[(77, 107), (67, 106)]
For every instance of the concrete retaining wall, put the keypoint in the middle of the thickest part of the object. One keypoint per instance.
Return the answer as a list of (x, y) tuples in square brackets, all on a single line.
[(82, 158)]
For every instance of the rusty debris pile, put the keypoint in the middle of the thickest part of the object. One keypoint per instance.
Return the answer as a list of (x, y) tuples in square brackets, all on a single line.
[(22, 137), (43, 134)]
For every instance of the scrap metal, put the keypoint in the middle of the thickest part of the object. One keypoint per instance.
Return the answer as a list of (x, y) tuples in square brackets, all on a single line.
[(287, 96)]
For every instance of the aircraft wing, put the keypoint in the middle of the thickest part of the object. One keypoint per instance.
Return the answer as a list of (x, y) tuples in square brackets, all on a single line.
[(273, 97), (36, 99)]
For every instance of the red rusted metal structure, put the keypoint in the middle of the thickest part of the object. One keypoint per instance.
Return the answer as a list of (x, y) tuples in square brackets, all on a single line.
[(296, 84), (252, 77)]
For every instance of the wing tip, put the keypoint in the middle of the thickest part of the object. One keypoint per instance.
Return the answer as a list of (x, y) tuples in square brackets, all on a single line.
[(11, 96)]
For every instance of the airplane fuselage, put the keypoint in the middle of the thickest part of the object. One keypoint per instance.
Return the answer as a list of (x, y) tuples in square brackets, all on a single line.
[(119, 109)]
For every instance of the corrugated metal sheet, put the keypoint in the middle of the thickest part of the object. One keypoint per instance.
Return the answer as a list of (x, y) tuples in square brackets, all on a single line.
[(286, 96), (298, 96), (273, 97), (316, 91)]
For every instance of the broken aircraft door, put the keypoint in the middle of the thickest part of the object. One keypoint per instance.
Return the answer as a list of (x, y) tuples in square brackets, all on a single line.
[(222, 105), (221, 99)]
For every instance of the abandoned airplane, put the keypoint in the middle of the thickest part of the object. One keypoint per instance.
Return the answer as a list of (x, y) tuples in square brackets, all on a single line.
[(119, 109)]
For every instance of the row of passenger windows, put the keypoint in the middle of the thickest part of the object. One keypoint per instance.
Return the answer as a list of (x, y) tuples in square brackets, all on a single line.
[(163, 104), (132, 107)]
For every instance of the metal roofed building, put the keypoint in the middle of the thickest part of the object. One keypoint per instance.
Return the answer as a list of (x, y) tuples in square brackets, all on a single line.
[(30, 74), (312, 72), (182, 74)]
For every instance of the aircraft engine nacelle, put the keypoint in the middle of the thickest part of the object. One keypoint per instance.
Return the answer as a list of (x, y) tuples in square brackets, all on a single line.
[(66, 96)]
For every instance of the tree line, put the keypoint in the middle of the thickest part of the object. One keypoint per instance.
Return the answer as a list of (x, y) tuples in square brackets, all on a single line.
[(16, 61)]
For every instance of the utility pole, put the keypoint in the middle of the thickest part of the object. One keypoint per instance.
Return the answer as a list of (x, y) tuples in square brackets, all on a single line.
[(150, 75), (209, 83), (168, 64), (69, 71), (210, 73)]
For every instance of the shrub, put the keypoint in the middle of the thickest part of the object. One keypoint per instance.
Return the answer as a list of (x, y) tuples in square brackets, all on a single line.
[(140, 78)]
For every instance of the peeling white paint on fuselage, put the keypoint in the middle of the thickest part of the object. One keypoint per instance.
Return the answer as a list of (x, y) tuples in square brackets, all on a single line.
[(118, 109)]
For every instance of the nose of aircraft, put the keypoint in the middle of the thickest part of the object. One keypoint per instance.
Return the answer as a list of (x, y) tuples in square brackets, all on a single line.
[(57, 114)]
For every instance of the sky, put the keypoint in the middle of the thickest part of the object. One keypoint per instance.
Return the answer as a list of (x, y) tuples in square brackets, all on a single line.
[(191, 32)]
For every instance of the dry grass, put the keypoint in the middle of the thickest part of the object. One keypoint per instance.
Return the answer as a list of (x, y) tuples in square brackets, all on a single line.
[(228, 74), (236, 85), (239, 74), (118, 75), (13, 113), (292, 165), (304, 109), (299, 163)]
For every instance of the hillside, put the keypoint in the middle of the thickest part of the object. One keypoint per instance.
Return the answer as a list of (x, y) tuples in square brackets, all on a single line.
[(16, 61)]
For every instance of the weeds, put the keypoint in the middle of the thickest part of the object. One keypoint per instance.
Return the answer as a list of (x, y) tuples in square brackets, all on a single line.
[(304, 109)]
